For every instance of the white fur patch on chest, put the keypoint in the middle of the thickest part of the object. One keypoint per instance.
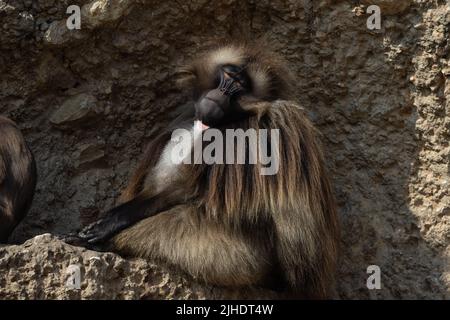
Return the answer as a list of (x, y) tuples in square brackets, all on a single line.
[(166, 170)]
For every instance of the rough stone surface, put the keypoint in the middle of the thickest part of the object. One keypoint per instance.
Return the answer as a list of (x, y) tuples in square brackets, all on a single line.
[(79, 109), (380, 98), (389, 6)]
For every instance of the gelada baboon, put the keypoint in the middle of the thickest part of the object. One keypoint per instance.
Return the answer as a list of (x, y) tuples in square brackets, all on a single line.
[(228, 224), (17, 177)]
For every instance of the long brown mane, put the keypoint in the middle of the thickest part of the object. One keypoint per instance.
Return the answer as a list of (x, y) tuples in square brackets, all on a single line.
[(297, 202)]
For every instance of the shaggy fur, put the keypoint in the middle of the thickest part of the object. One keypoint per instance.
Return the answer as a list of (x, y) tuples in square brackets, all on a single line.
[(17, 177)]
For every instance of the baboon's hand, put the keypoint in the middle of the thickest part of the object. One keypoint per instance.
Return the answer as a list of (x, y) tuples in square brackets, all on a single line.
[(103, 229), (115, 221), (74, 240)]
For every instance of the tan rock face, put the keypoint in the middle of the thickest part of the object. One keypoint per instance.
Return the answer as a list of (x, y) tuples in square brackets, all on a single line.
[(389, 6), (380, 98)]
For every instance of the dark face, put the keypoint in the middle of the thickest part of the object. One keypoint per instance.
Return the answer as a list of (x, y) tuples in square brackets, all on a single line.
[(220, 105)]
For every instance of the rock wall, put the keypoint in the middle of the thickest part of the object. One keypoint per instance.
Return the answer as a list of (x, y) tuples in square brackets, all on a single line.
[(87, 100)]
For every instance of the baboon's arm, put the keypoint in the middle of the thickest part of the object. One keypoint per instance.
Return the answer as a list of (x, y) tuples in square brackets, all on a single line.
[(127, 214)]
